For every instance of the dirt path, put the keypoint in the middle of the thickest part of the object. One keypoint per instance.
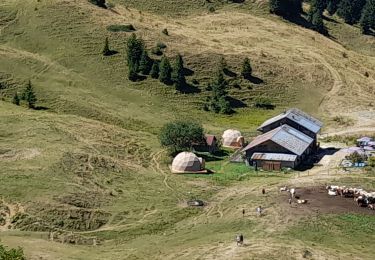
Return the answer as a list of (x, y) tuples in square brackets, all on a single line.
[(350, 131), (157, 168)]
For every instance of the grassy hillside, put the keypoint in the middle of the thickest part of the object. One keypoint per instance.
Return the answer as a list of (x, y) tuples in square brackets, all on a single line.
[(87, 163)]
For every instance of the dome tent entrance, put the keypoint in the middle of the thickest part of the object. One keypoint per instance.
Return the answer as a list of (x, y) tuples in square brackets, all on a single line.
[(187, 162), (233, 139)]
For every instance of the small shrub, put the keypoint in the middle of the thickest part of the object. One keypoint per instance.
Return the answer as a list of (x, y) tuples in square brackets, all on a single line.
[(265, 103), (211, 9), (11, 254), (344, 55), (195, 82), (371, 161), (16, 99), (161, 45), (356, 157), (367, 74), (121, 28), (157, 51), (165, 31)]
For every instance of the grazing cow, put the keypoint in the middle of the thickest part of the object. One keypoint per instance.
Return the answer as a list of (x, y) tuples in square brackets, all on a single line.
[(292, 192), (362, 201), (332, 193), (284, 188)]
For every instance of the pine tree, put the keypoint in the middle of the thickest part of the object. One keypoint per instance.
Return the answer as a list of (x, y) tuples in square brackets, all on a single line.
[(223, 66), (218, 101), (276, 7), (178, 75), (332, 6), (132, 74), (368, 17), (316, 6), (145, 63), (246, 69), (351, 10), (16, 99), (317, 22), (286, 8), (165, 70), (220, 84), (106, 51), (155, 70), (134, 50), (224, 105), (29, 95)]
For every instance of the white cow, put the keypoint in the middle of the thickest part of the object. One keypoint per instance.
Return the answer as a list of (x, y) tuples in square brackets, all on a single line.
[(292, 192)]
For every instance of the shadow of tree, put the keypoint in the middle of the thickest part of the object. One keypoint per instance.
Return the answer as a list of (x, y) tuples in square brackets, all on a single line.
[(40, 108), (236, 103), (230, 73), (189, 89), (255, 80), (110, 53), (188, 72)]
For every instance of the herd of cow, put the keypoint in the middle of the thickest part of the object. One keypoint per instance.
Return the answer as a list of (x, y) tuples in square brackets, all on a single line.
[(362, 197)]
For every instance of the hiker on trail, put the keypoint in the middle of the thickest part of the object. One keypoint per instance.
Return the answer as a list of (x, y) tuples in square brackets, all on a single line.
[(243, 212), (259, 210)]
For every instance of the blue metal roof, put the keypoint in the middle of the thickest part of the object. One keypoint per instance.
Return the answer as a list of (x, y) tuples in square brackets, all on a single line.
[(274, 157), (285, 136), (298, 116)]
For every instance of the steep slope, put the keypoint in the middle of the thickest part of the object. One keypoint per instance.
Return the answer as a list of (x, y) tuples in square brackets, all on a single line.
[(87, 164)]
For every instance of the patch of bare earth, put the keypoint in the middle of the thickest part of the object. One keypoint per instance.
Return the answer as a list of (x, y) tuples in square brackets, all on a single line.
[(318, 201), (19, 154)]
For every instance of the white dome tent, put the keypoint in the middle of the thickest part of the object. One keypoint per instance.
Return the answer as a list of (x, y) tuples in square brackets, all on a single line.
[(232, 139), (187, 162)]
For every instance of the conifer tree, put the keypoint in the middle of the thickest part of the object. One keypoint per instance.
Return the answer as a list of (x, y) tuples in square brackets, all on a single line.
[(16, 99), (132, 74), (134, 50), (178, 75), (165, 70), (29, 95), (145, 63), (351, 10), (332, 6), (223, 66), (106, 51), (286, 8), (155, 70), (368, 17), (317, 22), (316, 6), (246, 69), (276, 7), (218, 101)]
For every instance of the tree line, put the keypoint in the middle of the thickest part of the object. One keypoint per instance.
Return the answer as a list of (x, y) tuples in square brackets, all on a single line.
[(139, 62), (28, 95), (351, 11)]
